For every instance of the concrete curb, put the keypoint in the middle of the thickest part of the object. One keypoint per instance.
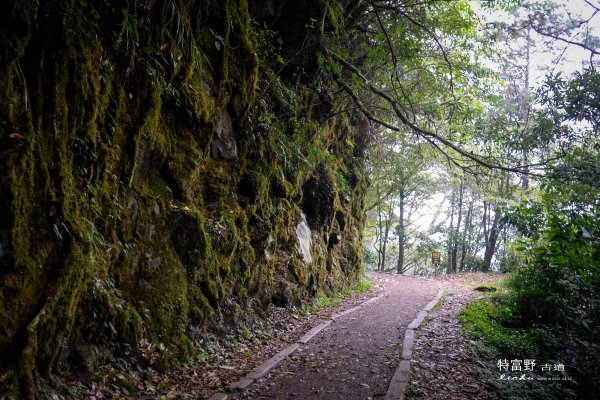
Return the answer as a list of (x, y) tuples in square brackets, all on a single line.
[(314, 331), (399, 381), (218, 396), (348, 311), (264, 368)]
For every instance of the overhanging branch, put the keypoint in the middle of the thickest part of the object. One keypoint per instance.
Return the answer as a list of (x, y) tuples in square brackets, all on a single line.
[(536, 28), (429, 136)]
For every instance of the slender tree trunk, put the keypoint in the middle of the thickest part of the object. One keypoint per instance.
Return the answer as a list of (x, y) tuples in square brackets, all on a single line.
[(485, 225), (384, 246), (386, 235), (455, 232), (503, 261), (401, 240), (451, 231), (464, 236), (491, 240), (473, 238), (380, 233)]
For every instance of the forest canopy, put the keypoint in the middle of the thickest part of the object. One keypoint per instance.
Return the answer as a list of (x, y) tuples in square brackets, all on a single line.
[(174, 168), (488, 151)]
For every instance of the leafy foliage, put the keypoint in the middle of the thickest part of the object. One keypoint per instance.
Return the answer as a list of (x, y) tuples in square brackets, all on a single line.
[(336, 296), (557, 277), (502, 336)]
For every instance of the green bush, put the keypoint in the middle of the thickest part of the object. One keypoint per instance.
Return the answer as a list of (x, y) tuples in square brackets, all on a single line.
[(336, 296), (559, 283), (501, 335), (556, 296)]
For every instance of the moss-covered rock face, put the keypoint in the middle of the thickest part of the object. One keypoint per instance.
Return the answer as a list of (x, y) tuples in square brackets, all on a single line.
[(155, 167)]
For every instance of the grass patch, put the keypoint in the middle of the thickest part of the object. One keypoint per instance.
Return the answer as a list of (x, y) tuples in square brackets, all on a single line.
[(484, 288), (336, 296), (503, 337), (500, 282), (492, 320), (439, 304), (411, 390)]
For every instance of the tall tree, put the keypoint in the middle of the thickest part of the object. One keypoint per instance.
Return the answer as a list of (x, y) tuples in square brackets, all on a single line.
[(454, 233), (466, 229)]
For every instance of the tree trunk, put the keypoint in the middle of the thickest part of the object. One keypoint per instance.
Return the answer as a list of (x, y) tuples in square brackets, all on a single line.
[(386, 235), (401, 239), (384, 222), (464, 236), (455, 232), (451, 231), (490, 242), (380, 233)]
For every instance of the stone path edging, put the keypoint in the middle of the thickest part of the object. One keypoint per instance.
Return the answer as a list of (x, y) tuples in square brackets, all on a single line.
[(272, 362), (397, 386)]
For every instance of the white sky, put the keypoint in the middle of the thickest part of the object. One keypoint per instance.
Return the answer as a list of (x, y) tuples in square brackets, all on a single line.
[(570, 59), (565, 58)]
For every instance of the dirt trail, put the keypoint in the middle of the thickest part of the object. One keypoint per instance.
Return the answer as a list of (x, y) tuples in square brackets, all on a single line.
[(442, 364), (355, 356)]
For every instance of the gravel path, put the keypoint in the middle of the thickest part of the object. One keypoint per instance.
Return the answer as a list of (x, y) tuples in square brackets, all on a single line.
[(355, 356), (442, 366)]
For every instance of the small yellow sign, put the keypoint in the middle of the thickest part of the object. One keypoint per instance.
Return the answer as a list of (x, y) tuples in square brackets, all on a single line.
[(435, 257)]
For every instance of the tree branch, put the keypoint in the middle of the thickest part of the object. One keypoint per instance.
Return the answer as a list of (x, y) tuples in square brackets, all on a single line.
[(427, 135), (437, 42), (387, 37), (561, 39)]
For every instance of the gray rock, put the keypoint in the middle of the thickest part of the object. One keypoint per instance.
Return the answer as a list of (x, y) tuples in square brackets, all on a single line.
[(304, 239), (144, 161), (223, 144), (268, 245)]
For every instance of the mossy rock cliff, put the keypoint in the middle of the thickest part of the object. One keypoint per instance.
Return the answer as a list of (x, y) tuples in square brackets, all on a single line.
[(158, 159)]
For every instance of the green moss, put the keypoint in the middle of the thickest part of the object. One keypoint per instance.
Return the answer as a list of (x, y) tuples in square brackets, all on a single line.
[(335, 296), (120, 325), (122, 227), (491, 321), (17, 28), (22, 179)]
